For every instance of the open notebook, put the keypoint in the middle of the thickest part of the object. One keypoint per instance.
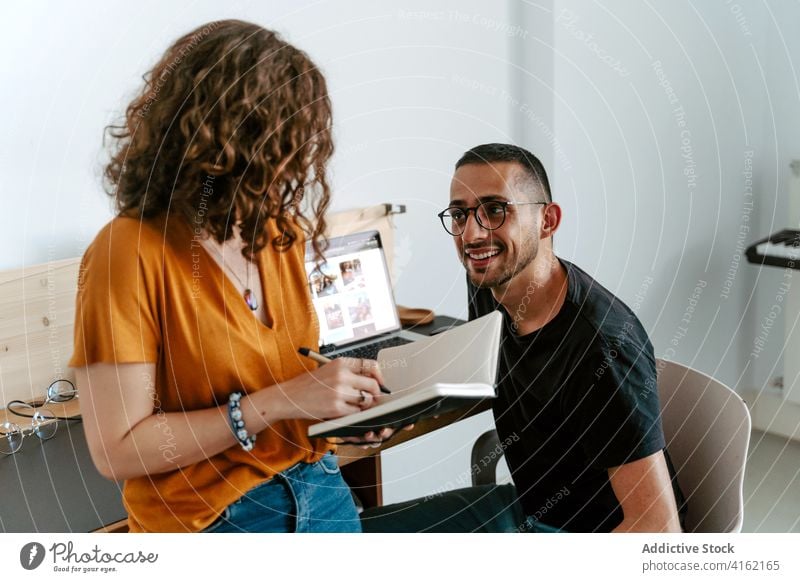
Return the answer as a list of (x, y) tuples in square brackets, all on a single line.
[(428, 377)]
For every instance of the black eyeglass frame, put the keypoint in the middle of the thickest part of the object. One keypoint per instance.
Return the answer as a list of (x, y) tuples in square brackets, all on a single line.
[(53, 397), (504, 204)]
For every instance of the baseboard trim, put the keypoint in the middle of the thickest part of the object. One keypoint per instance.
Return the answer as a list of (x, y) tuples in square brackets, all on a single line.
[(771, 413)]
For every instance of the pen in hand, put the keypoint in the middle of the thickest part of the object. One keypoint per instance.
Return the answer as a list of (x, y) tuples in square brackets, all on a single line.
[(320, 359)]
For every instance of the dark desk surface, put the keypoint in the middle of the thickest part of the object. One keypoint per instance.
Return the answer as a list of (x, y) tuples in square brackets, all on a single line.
[(53, 486), (441, 322)]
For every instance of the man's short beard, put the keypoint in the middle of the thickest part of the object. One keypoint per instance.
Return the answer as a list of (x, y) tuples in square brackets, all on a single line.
[(483, 283), (506, 276)]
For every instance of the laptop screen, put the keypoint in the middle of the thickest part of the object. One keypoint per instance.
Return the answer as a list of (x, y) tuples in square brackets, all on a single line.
[(351, 290)]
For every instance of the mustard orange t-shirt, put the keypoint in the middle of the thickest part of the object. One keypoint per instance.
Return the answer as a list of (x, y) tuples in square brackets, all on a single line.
[(149, 292)]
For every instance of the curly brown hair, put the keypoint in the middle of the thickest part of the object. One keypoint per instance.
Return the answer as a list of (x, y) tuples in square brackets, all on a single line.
[(233, 127)]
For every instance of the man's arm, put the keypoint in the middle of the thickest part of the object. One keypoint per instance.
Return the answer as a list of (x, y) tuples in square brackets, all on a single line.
[(644, 490)]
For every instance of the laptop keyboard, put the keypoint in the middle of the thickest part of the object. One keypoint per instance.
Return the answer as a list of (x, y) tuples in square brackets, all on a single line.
[(370, 351)]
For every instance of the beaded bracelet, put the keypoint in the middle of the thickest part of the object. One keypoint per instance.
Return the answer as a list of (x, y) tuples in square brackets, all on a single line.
[(237, 422)]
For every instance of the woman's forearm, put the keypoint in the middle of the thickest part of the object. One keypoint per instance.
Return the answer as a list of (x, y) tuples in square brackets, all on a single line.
[(127, 439), (165, 441)]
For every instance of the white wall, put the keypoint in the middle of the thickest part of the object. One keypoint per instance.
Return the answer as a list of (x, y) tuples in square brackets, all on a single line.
[(396, 77), (533, 102), (780, 120), (658, 105)]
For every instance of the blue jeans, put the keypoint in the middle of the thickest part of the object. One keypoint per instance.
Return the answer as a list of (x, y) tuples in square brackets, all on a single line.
[(308, 497), (485, 508)]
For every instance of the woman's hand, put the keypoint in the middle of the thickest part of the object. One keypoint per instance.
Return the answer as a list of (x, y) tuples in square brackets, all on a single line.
[(344, 386)]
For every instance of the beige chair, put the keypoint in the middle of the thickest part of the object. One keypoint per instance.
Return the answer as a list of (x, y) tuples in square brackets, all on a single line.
[(707, 430)]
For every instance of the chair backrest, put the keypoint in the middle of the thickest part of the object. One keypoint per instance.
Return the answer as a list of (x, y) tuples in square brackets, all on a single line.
[(707, 430)]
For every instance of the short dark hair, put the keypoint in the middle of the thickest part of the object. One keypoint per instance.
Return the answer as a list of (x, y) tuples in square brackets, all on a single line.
[(489, 153)]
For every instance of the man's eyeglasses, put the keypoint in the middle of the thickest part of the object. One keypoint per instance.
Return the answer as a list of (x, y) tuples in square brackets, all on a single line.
[(490, 215), (43, 424)]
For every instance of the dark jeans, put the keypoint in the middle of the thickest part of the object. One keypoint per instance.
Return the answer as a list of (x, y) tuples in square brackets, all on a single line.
[(308, 497), (487, 508)]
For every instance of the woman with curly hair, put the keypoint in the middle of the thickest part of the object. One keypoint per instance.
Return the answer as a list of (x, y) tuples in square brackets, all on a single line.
[(193, 301)]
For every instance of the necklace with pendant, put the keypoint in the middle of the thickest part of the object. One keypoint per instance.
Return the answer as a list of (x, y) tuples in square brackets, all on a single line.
[(249, 297)]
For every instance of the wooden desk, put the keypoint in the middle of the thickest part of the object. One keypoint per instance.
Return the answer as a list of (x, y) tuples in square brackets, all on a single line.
[(53, 486)]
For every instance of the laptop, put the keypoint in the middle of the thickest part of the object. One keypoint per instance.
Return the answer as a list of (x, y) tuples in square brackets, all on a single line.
[(352, 295)]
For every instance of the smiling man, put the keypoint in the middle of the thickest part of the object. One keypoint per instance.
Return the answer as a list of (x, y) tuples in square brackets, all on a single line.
[(577, 406)]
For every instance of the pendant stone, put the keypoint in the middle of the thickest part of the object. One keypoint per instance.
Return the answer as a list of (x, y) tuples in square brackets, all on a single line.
[(250, 299)]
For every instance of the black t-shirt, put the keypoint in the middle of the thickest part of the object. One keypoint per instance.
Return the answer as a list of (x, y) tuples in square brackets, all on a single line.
[(575, 398)]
